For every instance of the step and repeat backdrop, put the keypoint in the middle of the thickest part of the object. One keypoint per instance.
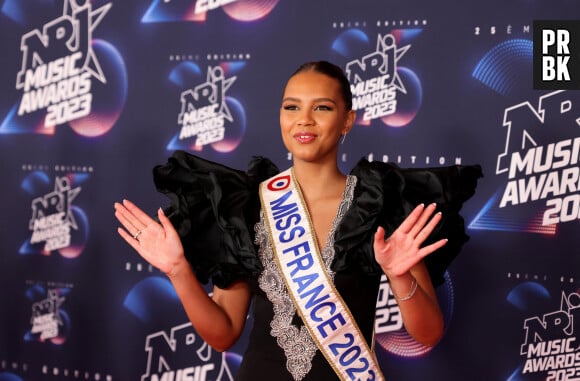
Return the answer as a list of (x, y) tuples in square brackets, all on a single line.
[(95, 93)]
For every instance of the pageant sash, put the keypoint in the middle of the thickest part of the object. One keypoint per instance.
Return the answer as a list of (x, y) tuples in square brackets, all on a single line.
[(321, 307)]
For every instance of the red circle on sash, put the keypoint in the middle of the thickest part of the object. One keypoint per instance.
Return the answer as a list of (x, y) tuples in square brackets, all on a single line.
[(279, 183)]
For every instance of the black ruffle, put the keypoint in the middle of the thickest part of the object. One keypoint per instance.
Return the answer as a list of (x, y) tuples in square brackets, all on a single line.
[(214, 209), (386, 194)]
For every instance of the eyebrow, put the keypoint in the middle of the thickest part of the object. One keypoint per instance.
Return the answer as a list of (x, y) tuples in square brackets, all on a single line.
[(315, 100)]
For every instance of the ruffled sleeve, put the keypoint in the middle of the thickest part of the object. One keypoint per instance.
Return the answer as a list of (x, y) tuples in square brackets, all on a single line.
[(385, 194), (214, 209)]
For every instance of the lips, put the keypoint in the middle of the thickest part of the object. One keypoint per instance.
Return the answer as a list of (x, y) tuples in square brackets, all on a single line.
[(304, 137)]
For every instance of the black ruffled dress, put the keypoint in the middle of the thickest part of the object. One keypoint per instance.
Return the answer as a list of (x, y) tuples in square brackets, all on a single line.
[(216, 211)]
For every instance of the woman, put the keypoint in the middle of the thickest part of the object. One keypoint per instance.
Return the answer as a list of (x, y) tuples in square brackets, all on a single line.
[(363, 225)]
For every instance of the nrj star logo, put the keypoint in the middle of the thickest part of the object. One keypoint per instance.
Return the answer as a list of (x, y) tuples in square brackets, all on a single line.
[(183, 355), (204, 111), (49, 321), (541, 163), (52, 218), (375, 80), (58, 63), (550, 346), (46, 317)]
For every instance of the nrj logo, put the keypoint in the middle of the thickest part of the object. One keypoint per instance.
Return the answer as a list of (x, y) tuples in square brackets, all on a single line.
[(61, 80), (52, 217), (49, 321), (209, 116), (204, 110), (183, 355), (551, 347), (58, 64), (375, 80), (541, 165), (382, 89)]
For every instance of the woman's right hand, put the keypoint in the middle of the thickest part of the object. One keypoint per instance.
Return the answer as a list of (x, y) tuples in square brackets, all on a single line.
[(158, 243), (223, 317)]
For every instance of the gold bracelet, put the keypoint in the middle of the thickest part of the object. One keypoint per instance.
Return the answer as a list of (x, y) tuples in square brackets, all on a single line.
[(411, 292)]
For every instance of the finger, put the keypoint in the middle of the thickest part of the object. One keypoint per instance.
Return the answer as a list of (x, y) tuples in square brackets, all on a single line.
[(166, 223), (422, 220), (127, 220), (120, 214), (409, 222), (409, 262), (126, 213), (137, 217), (380, 234), (429, 228), (128, 238), (379, 239), (425, 251)]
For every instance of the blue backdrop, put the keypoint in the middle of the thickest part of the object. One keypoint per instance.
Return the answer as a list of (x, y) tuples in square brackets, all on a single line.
[(95, 93)]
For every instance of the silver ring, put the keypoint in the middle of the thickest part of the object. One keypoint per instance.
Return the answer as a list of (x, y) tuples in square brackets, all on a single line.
[(136, 236)]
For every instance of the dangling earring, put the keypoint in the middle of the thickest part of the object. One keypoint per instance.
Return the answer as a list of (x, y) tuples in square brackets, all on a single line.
[(342, 140)]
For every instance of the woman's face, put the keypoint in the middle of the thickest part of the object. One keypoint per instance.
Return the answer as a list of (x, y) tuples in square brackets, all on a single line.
[(313, 117)]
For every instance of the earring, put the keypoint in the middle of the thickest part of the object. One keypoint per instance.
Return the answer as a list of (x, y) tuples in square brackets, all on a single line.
[(342, 140)]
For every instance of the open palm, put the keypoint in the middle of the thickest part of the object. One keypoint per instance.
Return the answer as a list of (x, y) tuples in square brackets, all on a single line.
[(158, 243), (404, 248)]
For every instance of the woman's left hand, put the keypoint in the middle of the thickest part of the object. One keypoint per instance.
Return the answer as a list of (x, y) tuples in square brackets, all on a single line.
[(403, 249)]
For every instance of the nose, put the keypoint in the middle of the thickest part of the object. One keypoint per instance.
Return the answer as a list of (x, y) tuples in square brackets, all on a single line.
[(305, 118)]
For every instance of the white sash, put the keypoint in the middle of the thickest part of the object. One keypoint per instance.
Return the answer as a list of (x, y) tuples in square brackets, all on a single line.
[(321, 307)]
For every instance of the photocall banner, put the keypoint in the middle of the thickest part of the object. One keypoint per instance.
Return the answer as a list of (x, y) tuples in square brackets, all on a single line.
[(95, 93)]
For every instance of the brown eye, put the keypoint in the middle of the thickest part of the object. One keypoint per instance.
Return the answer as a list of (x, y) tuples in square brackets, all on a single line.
[(323, 108)]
